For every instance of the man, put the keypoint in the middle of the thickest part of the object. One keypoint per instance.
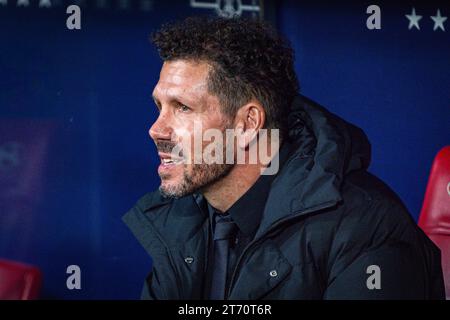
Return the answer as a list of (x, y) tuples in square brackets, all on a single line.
[(309, 223)]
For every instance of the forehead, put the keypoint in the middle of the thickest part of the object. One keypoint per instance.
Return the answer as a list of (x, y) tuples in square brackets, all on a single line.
[(182, 77)]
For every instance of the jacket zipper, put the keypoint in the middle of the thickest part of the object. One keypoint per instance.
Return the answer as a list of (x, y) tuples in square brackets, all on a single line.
[(271, 229)]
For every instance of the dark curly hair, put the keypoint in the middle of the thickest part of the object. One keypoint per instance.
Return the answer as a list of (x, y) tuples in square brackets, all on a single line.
[(248, 58)]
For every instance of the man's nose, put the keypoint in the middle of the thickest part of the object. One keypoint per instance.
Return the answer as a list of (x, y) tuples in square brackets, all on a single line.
[(161, 129)]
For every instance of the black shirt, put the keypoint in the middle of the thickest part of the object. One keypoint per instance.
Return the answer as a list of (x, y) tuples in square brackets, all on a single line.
[(246, 212)]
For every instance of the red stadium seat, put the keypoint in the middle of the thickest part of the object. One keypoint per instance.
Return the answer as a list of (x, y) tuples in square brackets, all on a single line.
[(435, 215), (19, 281)]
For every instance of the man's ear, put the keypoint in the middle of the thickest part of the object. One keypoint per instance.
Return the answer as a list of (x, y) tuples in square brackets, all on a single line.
[(249, 119)]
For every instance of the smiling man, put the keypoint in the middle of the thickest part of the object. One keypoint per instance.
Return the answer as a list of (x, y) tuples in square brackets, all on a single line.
[(182, 98), (303, 221)]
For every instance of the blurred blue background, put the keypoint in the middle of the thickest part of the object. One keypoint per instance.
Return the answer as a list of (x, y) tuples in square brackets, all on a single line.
[(75, 108)]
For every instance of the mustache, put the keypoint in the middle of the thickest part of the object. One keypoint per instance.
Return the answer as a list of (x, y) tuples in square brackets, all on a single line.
[(167, 147)]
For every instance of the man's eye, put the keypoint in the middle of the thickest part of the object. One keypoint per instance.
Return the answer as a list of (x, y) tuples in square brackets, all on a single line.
[(183, 108)]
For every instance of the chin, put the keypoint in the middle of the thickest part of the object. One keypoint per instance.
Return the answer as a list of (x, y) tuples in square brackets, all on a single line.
[(172, 190)]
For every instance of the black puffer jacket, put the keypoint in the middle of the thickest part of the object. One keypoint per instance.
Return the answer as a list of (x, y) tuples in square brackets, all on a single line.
[(330, 229)]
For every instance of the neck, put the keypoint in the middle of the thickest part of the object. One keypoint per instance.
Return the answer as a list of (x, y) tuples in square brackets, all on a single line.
[(225, 192)]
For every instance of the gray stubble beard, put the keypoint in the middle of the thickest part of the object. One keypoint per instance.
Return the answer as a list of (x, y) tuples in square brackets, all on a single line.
[(203, 175)]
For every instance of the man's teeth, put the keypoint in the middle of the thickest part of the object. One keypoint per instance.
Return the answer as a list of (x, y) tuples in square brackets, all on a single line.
[(170, 161)]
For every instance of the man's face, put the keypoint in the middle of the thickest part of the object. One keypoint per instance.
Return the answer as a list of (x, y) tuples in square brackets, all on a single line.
[(183, 101)]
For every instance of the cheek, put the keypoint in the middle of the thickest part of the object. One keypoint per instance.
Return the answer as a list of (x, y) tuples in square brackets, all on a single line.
[(182, 135), (183, 128), (190, 133), (189, 137)]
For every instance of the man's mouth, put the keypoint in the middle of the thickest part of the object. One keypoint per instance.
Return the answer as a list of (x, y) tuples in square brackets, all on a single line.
[(167, 160), (171, 161)]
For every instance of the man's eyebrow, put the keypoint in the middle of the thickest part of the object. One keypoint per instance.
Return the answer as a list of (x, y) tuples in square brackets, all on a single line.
[(175, 98)]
